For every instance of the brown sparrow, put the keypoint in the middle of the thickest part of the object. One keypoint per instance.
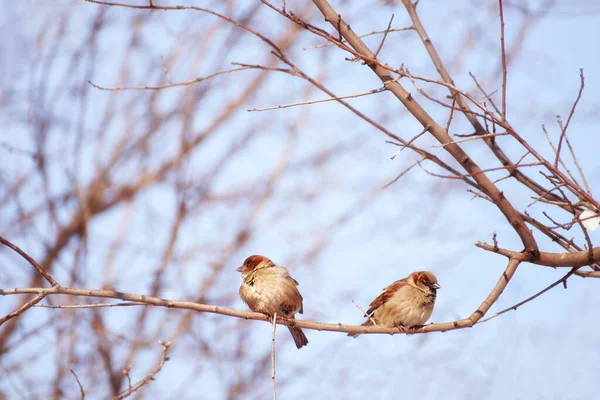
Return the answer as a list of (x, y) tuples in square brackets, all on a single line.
[(405, 303), (268, 288)]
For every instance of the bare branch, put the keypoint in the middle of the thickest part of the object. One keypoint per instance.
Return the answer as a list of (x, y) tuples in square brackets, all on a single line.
[(302, 103), (150, 377), (30, 260), (170, 84), (527, 300), (387, 30), (574, 260), (79, 384), (564, 129), (437, 131), (321, 326), (26, 306), (503, 50)]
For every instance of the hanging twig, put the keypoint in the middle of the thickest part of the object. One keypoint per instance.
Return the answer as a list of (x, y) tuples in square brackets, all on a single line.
[(273, 355)]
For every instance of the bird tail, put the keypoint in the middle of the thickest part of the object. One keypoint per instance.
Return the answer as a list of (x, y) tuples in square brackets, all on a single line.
[(368, 322), (299, 337)]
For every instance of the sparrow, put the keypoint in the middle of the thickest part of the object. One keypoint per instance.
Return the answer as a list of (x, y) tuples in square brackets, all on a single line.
[(268, 288), (405, 303)]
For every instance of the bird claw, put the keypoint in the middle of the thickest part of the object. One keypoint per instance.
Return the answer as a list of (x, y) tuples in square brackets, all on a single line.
[(408, 330)]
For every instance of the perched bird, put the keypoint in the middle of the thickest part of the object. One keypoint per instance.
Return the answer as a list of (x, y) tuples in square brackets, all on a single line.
[(405, 303), (268, 288)]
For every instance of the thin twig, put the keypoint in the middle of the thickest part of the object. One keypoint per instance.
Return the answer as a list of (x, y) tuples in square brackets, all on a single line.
[(23, 308), (167, 77), (585, 182), (30, 260), (452, 109), (585, 232), (504, 70), (80, 385), (170, 84), (463, 176), (95, 305), (556, 151), (404, 172), (504, 177), (302, 103), (387, 30), (480, 195), (410, 28), (487, 96), (542, 198), (273, 355), (469, 138), (410, 142), (564, 130), (527, 300), (370, 317), (150, 377)]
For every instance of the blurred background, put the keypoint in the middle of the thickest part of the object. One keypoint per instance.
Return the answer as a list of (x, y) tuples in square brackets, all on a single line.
[(166, 192)]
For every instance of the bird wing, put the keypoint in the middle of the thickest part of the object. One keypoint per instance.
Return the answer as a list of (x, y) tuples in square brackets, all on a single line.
[(385, 296)]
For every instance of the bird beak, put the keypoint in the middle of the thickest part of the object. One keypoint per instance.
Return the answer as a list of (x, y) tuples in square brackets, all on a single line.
[(240, 269), (435, 286)]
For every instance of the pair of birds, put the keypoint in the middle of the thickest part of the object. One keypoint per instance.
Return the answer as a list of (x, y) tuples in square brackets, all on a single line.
[(269, 289)]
